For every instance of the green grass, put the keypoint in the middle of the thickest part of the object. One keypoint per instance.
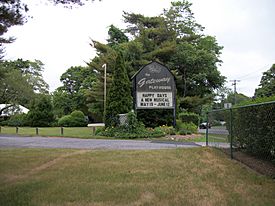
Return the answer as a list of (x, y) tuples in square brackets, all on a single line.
[(200, 176), (78, 132), (218, 138)]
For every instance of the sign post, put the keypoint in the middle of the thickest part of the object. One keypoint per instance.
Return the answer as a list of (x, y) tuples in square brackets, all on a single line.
[(154, 88)]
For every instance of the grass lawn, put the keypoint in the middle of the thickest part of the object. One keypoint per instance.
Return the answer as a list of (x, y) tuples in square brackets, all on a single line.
[(79, 132), (199, 176)]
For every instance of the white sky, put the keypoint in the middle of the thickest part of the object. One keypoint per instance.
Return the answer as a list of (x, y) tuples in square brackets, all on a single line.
[(60, 37)]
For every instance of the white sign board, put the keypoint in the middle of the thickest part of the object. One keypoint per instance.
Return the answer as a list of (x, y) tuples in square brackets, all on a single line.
[(154, 100), (227, 105)]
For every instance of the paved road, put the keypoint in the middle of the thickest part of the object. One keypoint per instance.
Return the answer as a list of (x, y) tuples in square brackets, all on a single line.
[(213, 130), (74, 143)]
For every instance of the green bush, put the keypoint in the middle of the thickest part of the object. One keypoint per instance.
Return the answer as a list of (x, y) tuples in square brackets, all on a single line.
[(75, 119), (189, 117), (184, 132), (132, 129), (168, 130), (253, 128), (16, 121), (155, 117), (189, 128), (122, 132), (78, 114)]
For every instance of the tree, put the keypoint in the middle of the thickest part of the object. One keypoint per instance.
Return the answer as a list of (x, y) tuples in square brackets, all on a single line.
[(12, 12), (20, 81), (119, 99), (95, 96), (239, 98), (62, 103), (172, 38), (72, 95), (41, 112), (116, 36), (175, 39), (267, 84)]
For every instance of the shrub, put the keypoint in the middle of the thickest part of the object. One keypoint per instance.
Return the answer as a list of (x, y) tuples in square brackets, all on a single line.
[(167, 130), (189, 117), (182, 132), (15, 121), (122, 132), (65, 121), (189, 128), (75, 119), (155, 117), (78, 114), (132, 129)]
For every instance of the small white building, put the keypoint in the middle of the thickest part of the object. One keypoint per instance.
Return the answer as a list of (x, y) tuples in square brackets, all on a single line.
[(12, 110)]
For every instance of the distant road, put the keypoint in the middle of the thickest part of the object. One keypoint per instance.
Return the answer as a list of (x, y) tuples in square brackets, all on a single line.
[(74, 143), (215, 130)]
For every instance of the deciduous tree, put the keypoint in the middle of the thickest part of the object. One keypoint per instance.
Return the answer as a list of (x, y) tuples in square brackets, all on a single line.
[(20, 81), (267, 84)]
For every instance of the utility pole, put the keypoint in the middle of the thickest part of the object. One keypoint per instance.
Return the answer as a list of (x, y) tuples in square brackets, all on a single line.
[(235, 88)]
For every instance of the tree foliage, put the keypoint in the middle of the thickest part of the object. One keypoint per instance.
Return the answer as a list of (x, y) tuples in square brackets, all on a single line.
[(72, 95), (119, 99), (20, 81), (172, 38), (41, 112), (116, 36), (267, 84)]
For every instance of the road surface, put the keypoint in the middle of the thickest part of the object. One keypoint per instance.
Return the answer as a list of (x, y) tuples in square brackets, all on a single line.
[(74, 143)]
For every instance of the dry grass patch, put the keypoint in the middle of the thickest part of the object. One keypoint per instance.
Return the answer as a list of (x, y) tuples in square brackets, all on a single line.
[(198, 176)]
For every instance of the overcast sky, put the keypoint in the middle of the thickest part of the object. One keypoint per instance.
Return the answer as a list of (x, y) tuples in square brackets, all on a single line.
[(60, 37)]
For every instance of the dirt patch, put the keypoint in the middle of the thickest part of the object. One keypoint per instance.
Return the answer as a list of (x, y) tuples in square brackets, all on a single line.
[(259, 165), (177, 137)]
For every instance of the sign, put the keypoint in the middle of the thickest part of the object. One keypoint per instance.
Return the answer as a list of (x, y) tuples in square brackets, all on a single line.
[(154, 87), (154, 100), (227, 105)]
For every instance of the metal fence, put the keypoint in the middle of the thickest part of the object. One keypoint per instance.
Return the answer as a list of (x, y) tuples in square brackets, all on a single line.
[(247, 131)]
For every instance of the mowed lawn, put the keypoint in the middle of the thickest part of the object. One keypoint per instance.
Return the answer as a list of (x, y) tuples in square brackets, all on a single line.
[(78, 132), (198, 176)]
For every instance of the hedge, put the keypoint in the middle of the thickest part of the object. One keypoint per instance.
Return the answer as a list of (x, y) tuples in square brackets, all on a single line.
[(187, 117), (254, 128)]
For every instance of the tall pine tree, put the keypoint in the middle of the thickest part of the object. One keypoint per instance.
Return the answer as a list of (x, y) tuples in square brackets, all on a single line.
[(119, 99)]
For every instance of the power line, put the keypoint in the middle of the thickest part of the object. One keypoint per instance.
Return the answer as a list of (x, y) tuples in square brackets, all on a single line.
[(251, 73)]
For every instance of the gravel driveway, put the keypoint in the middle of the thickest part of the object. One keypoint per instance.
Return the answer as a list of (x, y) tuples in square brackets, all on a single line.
[(74, 143)]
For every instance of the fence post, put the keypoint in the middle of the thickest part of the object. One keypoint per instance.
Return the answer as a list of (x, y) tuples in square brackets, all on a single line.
[(207, 123), (62, 131), (0, 129), (36, 130), (231, 133), (16, 130)]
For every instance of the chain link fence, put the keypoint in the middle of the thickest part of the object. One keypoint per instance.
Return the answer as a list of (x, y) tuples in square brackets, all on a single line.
[(246, 133)]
